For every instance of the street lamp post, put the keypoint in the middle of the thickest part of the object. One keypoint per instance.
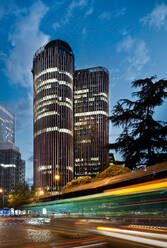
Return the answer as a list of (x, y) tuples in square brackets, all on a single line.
[(2, 192), (57, 178), (39, 193)]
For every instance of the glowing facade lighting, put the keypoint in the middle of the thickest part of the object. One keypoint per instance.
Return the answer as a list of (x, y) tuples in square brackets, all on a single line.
[(53, 68)]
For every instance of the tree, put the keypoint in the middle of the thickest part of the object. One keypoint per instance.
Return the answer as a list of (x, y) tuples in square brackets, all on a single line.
[(21, 195), (143, 140), (111, 171), (77, 182)]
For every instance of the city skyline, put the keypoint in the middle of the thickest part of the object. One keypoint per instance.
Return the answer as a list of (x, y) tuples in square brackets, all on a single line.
[(111, 34)]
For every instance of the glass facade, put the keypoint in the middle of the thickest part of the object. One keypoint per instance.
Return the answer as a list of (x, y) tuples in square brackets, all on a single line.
[(12, 167), (53, 67), (91, 124), (7, 126)]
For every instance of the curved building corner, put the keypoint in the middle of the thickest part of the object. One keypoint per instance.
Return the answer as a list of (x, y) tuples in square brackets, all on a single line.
[(53, 67)]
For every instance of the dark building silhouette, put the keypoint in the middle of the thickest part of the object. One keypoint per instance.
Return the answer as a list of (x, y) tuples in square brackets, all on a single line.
[(12, 167), (53, 67), (91, 124)]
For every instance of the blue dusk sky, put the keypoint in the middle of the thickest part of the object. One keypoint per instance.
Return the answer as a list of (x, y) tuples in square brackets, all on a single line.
[(128, 37)]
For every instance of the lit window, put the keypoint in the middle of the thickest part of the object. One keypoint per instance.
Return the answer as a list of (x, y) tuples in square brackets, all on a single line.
[(98, 112), (53, 69), (52, 129)]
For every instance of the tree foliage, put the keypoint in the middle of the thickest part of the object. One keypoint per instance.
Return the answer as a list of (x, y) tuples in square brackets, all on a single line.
[(21, 195), (77, 182), (111, 171), (143, 139)]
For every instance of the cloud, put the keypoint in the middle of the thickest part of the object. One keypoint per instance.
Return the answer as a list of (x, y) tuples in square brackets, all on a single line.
[(73, 5), (105, 16), (140, 56), (71, 8), (120, 12), (136, 56), (126, 44), (84, 31), (89, 12), (8, 8), (25, 39), (1, 12), (158, 17), (56, 25), (23, 110)]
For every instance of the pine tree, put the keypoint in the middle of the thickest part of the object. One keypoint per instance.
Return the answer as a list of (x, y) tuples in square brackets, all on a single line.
[(143, 140)]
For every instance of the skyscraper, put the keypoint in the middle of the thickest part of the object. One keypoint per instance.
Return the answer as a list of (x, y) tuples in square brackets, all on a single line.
[(91, 124), (7, 126), (12, 167), (53, 67)]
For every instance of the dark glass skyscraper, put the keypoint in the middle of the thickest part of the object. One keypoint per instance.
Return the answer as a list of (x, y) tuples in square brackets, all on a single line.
[(12, 167), (7, 126), (53, 67), (91, 124)]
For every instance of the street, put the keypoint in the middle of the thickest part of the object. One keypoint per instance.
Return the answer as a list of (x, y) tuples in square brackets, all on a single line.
[(28, 232), (18, 232)]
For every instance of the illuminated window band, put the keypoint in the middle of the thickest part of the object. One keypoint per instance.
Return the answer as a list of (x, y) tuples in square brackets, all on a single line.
[(101, 94), (45, 87), (8, 165), (49, 113), (80, 96), (80, 123), (53, 69), (47, 167), (44, 167), (103, 99), (43, 84), (65, 104), (81, 91), (84, 141), (52, 129), (54, 96), (47, 103), (70, 168), (99, 112)]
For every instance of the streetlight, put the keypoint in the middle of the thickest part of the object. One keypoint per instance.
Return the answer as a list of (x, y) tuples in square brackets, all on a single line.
[(2, 192), (39, 193), (57, 178)]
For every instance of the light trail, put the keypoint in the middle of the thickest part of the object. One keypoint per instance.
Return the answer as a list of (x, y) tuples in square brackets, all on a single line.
[(129, 235), (146, 228), (137, 188)]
